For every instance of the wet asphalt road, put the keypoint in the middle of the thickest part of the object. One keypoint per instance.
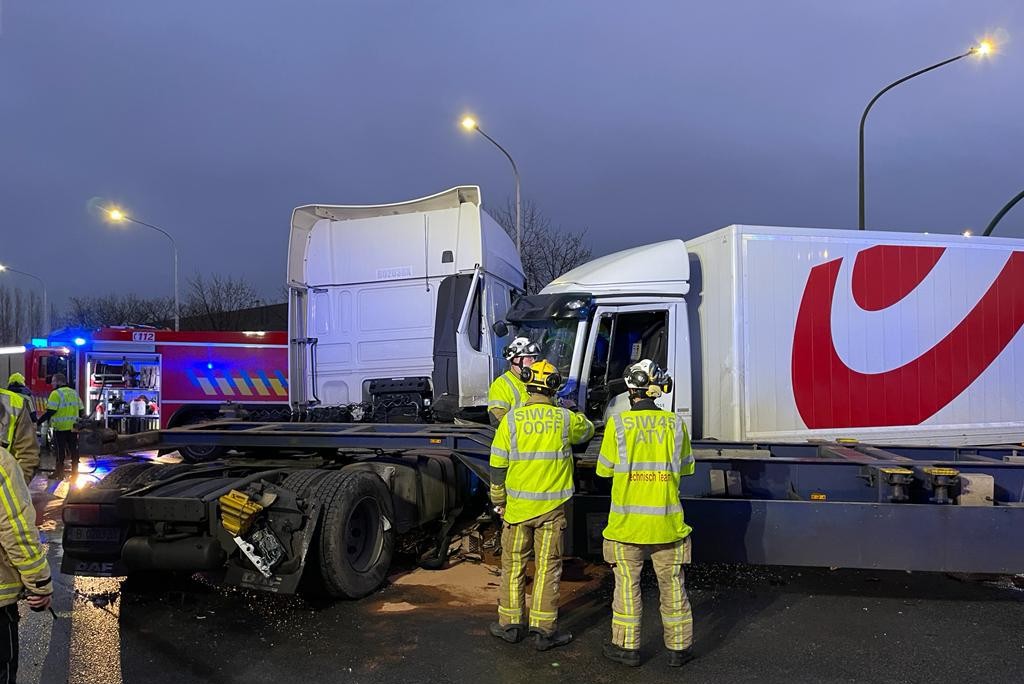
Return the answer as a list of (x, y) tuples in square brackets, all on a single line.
[(752, 624)]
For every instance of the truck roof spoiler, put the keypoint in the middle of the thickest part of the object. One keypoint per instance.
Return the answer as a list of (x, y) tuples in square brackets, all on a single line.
[(309, 214)]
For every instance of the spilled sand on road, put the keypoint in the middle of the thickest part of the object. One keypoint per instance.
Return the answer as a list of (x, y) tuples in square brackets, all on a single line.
[(467, 584)]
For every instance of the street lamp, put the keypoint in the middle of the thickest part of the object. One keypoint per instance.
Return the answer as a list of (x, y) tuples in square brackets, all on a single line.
[(471, 124), (46, 307), (117, 216), (982, 49)]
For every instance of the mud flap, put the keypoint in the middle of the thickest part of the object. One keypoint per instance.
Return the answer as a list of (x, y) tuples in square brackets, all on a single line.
[(277, 583), (69, 565)]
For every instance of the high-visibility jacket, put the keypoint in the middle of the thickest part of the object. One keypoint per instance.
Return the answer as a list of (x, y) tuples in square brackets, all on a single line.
[(531, 458), (67, 405), (18, 433), (23, 559), (506, 392), (645, 452)]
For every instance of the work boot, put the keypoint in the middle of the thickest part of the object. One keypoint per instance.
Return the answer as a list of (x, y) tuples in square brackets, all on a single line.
[(630, 657), (680, 658), (545, 642), (513, 634)]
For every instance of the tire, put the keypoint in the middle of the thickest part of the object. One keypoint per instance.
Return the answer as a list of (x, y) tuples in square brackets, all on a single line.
[(302, 481), (124, 475), (356, 540), (160, 471), (199, 454)]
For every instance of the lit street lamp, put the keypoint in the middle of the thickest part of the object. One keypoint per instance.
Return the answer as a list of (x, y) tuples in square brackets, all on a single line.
[(470, 124), (46, 306), (117, 216), (982, 49)]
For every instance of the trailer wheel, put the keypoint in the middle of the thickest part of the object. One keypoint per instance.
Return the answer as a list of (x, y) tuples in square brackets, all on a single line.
[(357, 539), (198, 454), (124, 475)]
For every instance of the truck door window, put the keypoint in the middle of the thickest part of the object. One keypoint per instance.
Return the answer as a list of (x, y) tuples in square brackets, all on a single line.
[(622, 340)]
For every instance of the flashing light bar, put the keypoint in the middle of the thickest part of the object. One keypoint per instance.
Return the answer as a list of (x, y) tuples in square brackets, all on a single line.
[(79, 341), (40, 342)]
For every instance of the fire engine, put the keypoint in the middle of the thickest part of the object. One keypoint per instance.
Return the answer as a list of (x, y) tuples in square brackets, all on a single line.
[(140, 378)]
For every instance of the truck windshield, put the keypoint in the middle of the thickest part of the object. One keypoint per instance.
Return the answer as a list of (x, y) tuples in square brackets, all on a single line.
[(556, 337)]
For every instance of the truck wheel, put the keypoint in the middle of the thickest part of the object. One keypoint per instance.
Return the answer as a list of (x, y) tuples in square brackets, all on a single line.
[(357, 539), (160, 471), (201, 454), (302, 481), (124, 475), (198, 454)]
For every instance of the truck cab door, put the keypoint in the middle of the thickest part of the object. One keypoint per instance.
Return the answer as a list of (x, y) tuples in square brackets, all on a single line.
[(619, 337), (475, 341)]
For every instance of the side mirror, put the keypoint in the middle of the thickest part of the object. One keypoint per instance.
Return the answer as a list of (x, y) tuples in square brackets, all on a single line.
[(500, 328)]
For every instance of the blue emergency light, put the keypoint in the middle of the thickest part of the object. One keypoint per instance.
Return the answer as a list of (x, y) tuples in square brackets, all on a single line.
[(79, 341), (40, 342)]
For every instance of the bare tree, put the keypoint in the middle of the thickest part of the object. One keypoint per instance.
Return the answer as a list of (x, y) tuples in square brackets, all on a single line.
[(98, 312), (21, 315), (548, 251), (216, 301)]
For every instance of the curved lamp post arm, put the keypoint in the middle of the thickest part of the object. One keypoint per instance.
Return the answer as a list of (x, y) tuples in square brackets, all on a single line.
[(174, 246), (864, 116), (1002, 212), (515, 173), (46, 308)]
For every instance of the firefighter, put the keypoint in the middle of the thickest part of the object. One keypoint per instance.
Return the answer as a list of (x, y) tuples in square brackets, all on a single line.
[(16, 384), (508, 391), (24, 571), (18, 432), (63, 408), (645, 450), (531, 479)]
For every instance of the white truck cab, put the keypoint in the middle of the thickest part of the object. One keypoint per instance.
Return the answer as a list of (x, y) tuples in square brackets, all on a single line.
[(609, 313), (395, 302)]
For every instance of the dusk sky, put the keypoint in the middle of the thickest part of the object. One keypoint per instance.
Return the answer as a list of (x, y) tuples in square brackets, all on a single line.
[(640, 121)]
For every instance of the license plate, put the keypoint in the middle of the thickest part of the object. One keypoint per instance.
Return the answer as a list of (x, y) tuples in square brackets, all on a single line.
[(94, 534)]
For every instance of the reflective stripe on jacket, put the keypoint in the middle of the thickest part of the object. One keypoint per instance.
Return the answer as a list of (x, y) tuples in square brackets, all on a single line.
[(506, 392), (66, 403), (18, 432), (22, 557), (645, 453), (531, 459)]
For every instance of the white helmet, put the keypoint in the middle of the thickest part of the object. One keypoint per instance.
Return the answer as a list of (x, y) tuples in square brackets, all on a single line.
[(646, 375), (520, 346)]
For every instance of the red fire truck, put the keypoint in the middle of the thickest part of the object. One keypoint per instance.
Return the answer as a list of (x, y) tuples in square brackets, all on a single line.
[(137, 378)]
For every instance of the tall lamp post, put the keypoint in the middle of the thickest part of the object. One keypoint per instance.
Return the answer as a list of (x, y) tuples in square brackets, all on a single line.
[(118, 216), (471, 124), (46, 306), (982, 49)]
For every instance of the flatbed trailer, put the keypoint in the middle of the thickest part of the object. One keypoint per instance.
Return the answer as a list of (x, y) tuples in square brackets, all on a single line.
[(320, 487)]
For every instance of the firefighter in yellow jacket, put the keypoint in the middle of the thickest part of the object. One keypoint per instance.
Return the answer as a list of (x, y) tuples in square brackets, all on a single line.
[(645, 451), (24, 570), (531, 479), (508, 391), (18, 432)]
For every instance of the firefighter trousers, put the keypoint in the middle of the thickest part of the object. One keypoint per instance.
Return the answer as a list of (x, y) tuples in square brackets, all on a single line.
[(543, 534), (627, 560)]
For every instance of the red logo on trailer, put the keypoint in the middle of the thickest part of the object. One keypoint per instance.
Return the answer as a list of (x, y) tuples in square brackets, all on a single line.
[(829, 394)]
